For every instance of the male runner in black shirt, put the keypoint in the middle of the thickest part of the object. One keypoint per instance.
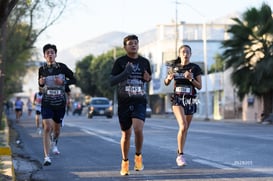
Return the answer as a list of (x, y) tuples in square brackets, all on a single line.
[(53, 77), (131, 72)]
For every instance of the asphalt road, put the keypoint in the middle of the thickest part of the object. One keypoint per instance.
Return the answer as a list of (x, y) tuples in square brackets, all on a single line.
[(90, 150)]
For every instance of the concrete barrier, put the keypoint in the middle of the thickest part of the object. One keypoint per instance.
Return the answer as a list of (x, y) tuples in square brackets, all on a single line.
[(6, 154)]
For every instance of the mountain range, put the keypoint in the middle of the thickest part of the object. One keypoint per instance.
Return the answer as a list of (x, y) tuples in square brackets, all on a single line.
[(108, 41), (98, 46)]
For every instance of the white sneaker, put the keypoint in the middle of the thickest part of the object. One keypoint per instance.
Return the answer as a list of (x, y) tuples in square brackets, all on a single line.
[(55, 150), (47, 161), (39, 131), (180, 161)]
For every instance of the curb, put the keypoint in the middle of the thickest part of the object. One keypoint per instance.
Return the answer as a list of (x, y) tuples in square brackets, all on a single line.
[(5, 155)]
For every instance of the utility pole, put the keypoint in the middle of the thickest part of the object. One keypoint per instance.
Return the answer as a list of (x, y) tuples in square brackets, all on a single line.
[(204, 37), (176, 27), (115, 104), (205, 67)]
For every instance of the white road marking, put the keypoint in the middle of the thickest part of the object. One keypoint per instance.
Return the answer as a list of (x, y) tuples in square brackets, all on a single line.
[(213, 164), (106, 138)]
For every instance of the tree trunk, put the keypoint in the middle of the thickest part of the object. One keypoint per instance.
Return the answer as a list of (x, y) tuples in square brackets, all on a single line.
[(268, 104), (2, 66), (5, 9)]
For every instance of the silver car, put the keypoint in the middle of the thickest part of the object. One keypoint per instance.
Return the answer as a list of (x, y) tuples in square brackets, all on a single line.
[(100, 106)]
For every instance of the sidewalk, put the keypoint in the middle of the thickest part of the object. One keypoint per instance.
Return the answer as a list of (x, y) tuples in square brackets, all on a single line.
[(6, 165)]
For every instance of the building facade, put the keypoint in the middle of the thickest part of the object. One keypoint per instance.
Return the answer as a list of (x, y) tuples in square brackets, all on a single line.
[(217, 98)]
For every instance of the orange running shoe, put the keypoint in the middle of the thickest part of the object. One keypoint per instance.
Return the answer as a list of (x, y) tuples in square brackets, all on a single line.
[(124, 168), (138, 163)]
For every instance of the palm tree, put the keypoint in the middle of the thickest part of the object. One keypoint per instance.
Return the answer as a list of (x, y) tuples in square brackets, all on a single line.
[(250, 53)]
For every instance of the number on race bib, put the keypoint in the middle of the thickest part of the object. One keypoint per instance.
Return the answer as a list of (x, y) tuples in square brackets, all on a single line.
[(53, 92), (187, 90)]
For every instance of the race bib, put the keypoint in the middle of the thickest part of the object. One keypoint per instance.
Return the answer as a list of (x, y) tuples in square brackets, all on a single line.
[(54, 98), (53, 92), (134, 89), (185, 89)]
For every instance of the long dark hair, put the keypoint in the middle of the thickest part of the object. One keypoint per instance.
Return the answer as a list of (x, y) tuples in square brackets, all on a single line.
[(172, 63), (184, 46)]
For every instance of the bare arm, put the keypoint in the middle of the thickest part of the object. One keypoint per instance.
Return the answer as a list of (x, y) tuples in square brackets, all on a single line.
[(168, 79), (197, 82)]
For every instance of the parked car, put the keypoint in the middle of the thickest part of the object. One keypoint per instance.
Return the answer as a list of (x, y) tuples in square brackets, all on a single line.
[(148, 111), (100, 106)]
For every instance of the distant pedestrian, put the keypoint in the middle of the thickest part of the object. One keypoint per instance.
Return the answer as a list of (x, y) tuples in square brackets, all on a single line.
[(187, 77), (7, 105), (53, 77), (18, 105), (131, 72), (29, 106), (38, 106)]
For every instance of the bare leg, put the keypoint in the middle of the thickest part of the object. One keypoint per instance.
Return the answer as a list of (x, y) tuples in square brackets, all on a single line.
[(138, 130), (47, 123), (56, 130), (17, 116), (188, 118), (37, 120), (125, 143), (182, 123)]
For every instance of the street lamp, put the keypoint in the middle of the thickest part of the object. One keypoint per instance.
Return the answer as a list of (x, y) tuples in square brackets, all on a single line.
[(205, 67), (176, 27), (115, 104)]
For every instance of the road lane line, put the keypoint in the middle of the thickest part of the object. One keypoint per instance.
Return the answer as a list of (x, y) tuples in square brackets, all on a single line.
[(213, 164), (263, 170), (91, 132)]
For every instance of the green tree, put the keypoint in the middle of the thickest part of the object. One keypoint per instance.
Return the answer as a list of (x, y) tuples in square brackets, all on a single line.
[(102, 67), (84, 75), (6, 8), (250, 53), (21, 24), (16, 61), (97, 83), (218, 66)]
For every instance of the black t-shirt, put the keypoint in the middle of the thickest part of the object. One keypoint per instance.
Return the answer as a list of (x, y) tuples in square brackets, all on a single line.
[(54, 95), (183, 83), (133, 89)]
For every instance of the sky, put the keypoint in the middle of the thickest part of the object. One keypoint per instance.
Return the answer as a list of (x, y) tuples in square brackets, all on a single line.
[(86, 19)]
